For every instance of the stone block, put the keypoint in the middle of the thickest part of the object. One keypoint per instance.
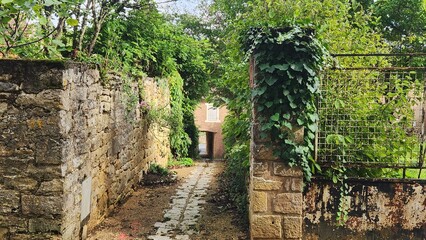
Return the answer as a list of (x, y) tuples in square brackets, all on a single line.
[(44, 126), (281, 169), (6, 96), (20, 183), (297, 184), (47, 99), (105, 107), (292, 227), (48, 151), (9, 201), (8, 87), (5, 77), (288, 203), (3, 107), (84, 233), (259, 201), (53, 186), (260, 168), (4, 233), (41, 205), (81, 94), (13, 223), (298, 134), (266, 226), (263, 153), (44, 173), (82, 147), (267, 185), (36, 236), (256, 132), (42, 225)]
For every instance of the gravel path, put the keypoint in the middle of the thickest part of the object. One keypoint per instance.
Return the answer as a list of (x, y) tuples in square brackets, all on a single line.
[(185, 206)]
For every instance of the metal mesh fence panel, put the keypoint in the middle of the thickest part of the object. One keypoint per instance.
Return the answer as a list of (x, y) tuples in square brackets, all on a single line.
[(379, 113)]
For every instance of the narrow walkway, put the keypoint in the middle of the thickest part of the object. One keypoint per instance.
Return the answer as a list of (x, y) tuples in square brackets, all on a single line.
[(183, 215)]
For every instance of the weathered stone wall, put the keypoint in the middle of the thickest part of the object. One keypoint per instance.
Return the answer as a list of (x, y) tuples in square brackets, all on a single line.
[(69, 149), (275, 190), (380, 209)]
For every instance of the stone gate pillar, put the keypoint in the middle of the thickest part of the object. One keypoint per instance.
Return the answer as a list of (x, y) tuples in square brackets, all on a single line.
[(275, 190)]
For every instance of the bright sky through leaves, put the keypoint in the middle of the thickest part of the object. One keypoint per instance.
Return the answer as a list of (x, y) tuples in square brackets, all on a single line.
[(179, 6)]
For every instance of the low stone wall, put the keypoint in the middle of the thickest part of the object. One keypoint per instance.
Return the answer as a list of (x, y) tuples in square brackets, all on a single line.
[(379, 209), (70, 149)]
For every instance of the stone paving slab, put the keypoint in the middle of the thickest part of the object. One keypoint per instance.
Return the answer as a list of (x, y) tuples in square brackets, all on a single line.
[(185, 206)]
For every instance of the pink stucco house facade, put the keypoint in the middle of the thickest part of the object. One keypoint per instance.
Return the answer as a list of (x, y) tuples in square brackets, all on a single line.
[(209, 121)]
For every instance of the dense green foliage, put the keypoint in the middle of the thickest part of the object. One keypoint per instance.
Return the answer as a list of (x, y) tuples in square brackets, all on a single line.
[(342, 26), (374, 112), (163, 49), (237, 148), (402, 23), (130, 38), (288, 63)]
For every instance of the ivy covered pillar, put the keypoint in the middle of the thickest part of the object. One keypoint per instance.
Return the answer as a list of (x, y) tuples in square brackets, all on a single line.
[(283, 77)]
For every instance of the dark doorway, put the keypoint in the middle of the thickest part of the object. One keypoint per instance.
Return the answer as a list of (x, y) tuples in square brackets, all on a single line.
[(206, 144)]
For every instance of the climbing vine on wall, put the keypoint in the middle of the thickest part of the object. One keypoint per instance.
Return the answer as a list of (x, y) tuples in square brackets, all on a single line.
[(179, 139), (288, 61)]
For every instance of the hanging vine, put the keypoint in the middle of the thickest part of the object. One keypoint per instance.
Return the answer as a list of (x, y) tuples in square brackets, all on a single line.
[(288, 61)]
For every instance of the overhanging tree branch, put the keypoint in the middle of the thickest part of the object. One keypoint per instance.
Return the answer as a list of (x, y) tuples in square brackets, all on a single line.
[(32, 42)]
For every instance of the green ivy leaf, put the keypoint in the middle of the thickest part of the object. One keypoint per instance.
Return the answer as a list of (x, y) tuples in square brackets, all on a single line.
[(286, 92), (42, 21), (263, 66), (312, 89), (335, 181), (259, 91), (287, 124), (50, 2), (282, 67), (271, 80), (286, 116), (72, 22), (312, 127), (313, 117), (269, 104), (296, 67), (275, 117), (310, 70), (5, 20), (58, 42)]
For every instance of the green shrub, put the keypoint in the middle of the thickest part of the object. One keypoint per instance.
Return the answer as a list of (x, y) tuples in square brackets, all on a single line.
[(237, 148), (157, 169), (181, 162)]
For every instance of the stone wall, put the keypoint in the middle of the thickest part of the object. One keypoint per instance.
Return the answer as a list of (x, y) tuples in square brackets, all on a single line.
[(275, 190), (70, 148), (378, 209)]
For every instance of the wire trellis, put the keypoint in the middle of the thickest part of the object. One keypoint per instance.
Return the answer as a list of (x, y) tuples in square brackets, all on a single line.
[(379, 113)]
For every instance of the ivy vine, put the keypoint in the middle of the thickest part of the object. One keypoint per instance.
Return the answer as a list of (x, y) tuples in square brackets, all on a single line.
[(288, 61)]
